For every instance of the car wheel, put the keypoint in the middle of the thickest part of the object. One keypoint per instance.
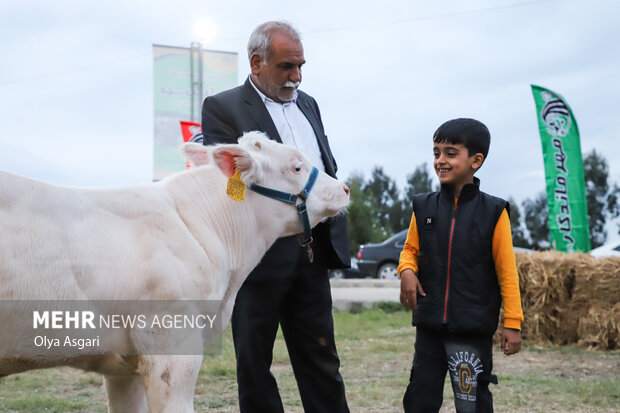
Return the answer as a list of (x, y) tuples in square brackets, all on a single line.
[(388, 272), (336, 274)]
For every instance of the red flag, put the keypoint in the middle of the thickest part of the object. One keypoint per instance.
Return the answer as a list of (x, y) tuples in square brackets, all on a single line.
[(189, 129)]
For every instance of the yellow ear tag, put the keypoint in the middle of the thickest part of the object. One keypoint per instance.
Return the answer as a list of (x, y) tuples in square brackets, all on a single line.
[(236, 188)]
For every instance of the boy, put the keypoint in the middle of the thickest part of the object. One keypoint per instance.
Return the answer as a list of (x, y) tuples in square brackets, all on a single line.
[(459, 244)]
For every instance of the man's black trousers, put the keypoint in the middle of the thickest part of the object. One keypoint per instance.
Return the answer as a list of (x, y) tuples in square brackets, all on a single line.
[(301, 304), (467, 358)]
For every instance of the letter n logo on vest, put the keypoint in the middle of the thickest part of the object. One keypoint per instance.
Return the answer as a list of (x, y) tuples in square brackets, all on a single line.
[(429, 223)]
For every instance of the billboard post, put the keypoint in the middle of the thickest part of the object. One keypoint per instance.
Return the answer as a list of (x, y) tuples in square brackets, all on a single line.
[(183, 76)]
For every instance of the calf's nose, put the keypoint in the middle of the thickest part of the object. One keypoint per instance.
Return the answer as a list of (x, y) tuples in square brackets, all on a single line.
[(346, 190)]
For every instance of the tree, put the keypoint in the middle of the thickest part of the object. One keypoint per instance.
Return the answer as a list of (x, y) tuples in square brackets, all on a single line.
[(387, 196), (613, 203), (537, 220), (602, 202), (519, 238), (361, 217), (417, 183)]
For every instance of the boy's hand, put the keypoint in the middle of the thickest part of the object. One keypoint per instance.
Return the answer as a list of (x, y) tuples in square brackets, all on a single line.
[(511, 341), (409, 288)]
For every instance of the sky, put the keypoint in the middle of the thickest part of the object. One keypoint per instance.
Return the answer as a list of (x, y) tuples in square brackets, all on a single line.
[(76, 80)]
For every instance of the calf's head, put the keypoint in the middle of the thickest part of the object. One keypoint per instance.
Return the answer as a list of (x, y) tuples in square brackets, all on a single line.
[(282, 168)]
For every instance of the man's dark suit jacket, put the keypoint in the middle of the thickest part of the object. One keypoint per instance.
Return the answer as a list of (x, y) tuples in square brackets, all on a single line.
[(225, 117)]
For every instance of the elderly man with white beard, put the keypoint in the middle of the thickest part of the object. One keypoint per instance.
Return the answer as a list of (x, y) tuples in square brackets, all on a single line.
[(290, 287)]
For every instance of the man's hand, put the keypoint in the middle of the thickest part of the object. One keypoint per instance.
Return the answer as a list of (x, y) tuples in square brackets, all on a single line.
[(511, 341), (409, 288)]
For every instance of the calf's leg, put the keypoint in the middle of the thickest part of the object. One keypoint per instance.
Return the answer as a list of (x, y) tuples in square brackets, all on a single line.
[(125, 394), (170, 382)]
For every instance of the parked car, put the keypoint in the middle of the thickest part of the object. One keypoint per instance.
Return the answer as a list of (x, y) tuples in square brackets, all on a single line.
[(381, 260), (611, 249), (342, 273)]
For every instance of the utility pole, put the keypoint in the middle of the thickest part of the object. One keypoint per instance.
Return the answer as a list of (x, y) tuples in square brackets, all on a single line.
[(196, 76)]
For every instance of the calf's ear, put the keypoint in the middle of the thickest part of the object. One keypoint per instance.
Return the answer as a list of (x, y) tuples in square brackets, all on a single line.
[(231, 157), (195, 153)]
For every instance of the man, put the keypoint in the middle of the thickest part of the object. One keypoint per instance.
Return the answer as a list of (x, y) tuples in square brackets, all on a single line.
[(288, 287)]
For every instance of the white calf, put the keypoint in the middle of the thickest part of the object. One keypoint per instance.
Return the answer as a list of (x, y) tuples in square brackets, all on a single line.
[(179, 239)]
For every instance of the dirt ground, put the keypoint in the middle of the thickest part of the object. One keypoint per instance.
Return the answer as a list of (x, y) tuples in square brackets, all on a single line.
[(545, 363)]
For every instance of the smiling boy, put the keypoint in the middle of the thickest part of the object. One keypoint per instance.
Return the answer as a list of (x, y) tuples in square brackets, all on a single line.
[(459, 244)]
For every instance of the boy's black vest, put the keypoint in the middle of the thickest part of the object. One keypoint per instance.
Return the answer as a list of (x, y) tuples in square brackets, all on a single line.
[(455, 265)]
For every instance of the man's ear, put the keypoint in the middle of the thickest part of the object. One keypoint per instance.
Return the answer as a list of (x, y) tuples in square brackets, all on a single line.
[(231, 157), (255, 63), (478, 161)]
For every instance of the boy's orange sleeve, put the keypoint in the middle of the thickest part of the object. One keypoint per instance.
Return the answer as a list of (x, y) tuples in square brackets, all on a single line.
[(411, 249), (507, 275)]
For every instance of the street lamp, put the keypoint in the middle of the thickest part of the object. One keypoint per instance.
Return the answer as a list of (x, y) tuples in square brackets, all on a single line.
[(195, 56), (205, 30)]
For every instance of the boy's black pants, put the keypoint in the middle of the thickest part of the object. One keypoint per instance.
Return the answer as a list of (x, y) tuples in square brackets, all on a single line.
[(467, 358)]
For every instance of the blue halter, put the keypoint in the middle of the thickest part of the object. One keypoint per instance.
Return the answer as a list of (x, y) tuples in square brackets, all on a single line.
[(292, 199)]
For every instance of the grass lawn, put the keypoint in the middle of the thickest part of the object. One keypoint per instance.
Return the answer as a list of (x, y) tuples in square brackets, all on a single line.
[(376, 349)]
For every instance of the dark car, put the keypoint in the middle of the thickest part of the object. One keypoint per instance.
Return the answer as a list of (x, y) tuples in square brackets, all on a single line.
[(381, 260), (342, 273)]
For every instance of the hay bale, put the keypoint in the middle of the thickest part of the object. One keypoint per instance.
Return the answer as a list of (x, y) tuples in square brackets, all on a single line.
[(601, 282), (600, 328), (570, 299), (547, 280)]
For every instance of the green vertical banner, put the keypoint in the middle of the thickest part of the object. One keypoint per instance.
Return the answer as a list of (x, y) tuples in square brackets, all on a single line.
[(566, 191)]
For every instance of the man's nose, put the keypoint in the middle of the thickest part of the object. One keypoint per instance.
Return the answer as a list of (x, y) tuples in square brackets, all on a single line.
[(295, 75)]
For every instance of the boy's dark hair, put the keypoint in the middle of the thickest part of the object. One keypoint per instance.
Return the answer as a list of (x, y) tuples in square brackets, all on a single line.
[(473, 134)]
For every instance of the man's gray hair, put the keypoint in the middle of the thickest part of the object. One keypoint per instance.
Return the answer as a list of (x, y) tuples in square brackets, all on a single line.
[(260, 39)]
